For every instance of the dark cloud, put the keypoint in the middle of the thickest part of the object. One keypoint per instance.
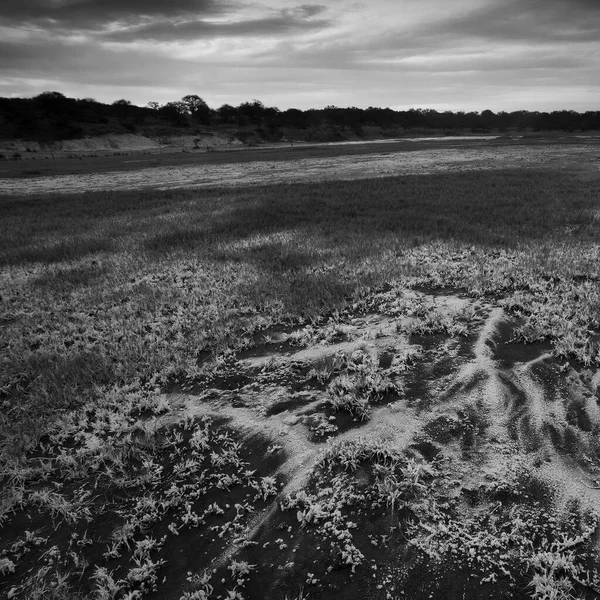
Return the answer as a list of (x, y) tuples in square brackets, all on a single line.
[(309, 10), (156, 20), (503, 34), (83, 63), (93, 14), (526, 20), (286, 22)]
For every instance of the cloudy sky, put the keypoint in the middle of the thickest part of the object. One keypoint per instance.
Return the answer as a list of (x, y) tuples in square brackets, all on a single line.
[(442, 54)]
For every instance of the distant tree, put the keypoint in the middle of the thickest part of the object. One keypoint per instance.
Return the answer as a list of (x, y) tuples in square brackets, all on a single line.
[(122, 108), (413, 118), (52, 116), (522, 119), (52, 102), (381, 117), (292, 117), (175, 112), (227, 113), (590, 120), (50, 95), (197, 108), (487, 119), (27, 125), (269, 115), (252, 111), (193, 103)]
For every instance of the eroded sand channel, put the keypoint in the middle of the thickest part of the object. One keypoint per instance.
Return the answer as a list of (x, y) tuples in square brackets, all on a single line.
[(468, 397)]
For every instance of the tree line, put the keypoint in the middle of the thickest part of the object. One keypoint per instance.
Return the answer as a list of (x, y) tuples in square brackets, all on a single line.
[(52, 115)]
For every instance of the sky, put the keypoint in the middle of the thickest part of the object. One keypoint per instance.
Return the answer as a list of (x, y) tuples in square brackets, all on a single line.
[(441, 54)]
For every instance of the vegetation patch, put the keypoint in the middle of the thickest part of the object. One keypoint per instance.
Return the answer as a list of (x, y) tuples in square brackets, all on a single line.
[(373, 388)]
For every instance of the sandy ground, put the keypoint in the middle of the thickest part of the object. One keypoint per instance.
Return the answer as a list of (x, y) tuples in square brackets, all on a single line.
[(527, 408), (448, 157), (114, 143)]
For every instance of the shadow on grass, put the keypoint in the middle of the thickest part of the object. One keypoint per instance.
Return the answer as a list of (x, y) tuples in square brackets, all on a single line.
[(52, 229), (71, 277), (62, 251), (287, 227), (216, 258), (291, 226)]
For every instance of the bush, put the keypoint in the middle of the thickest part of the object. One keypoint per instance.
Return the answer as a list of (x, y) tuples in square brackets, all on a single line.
[(129, 126)]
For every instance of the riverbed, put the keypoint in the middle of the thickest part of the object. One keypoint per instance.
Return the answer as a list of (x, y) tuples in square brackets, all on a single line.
[(309, 163)]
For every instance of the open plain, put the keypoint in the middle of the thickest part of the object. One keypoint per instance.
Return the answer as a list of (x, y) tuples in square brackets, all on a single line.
[(325, 372)]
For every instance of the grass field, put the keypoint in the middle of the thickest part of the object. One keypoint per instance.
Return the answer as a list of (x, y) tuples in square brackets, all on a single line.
[(381, 388)]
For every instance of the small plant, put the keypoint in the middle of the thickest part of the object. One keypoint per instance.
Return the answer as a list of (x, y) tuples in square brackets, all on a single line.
[(106, 587), (360, 384), (240, 569), (7, 566)]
